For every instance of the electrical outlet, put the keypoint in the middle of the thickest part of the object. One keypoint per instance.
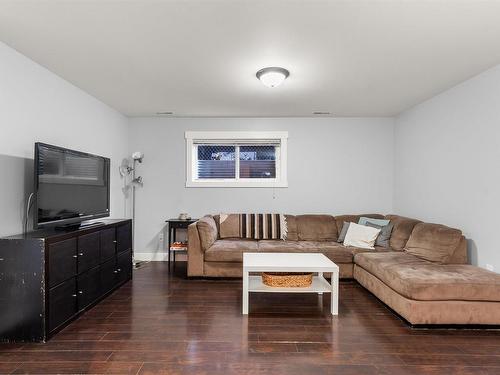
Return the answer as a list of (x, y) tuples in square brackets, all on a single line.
[(490, 267)]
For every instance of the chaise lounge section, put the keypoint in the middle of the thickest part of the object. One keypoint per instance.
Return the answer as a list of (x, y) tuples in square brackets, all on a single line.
[(424, 293), (423, 274)]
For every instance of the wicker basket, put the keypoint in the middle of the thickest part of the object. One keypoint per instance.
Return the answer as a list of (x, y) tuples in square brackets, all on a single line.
[(287, 279)]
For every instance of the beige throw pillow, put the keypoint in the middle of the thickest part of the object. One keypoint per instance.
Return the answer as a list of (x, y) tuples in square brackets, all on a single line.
[(361, 236)]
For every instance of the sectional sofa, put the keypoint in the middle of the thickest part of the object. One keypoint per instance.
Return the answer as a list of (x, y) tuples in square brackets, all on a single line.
[(423, 275)]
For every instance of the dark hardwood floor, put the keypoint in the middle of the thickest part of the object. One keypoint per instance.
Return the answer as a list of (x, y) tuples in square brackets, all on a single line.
[(162, 323)]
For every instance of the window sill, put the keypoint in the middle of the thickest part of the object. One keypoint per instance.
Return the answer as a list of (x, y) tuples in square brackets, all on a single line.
[(237, 184)]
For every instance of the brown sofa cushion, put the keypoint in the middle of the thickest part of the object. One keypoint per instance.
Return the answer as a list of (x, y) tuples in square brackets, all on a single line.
[(291, 223), (418, 279), (340, 220), (359, 250), (229, 226), (335, 252), (207, 230), (316, 228), (230, 250), (277, 246), (403, 226), (433, 242), (460, 255), (217, 224)]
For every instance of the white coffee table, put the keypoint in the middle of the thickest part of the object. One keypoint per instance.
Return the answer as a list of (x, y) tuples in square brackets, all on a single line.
[(290, 262)]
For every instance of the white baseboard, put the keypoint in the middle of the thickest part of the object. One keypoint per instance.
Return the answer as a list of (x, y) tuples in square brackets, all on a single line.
[(158, 257)]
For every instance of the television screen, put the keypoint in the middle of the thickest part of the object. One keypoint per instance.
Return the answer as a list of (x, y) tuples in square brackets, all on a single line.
[(70, 186)]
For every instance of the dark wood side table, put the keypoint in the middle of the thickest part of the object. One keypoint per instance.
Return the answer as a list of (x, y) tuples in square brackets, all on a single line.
[(173, 225)]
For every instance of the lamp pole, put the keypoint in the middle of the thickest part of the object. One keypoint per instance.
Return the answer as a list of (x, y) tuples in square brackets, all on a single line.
[(133, 214)]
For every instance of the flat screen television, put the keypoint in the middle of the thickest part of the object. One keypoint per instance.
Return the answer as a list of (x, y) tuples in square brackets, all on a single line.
[(70, 186)]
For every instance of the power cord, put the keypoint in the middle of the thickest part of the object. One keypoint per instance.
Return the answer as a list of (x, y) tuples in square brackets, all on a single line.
[(27, 213)]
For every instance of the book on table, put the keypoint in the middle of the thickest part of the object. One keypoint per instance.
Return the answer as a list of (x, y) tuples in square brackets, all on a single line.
[(178, 246)]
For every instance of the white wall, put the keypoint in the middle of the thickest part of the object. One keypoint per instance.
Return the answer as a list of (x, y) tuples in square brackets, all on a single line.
[(447, 154), (36, 105), (334, 166)]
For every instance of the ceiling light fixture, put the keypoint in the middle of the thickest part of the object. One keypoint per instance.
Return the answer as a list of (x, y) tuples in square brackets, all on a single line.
[(272, 76)]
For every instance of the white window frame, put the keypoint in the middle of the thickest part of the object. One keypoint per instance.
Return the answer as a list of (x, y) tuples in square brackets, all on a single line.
[(280, 137)]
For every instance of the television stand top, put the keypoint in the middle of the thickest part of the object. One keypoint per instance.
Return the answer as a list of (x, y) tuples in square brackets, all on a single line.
[(76, 226), (50, 232)]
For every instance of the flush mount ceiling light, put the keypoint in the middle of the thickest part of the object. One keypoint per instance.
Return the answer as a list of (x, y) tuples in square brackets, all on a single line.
[(272, 76)]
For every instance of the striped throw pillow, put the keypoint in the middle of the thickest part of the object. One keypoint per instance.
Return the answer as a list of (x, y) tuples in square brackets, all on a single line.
[(263, 226)]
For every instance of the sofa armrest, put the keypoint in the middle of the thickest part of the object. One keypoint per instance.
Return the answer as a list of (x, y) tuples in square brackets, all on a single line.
[(195, 252)]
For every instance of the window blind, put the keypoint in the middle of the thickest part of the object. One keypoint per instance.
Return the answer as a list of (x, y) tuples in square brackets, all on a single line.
[(216, 161), (239, 142)]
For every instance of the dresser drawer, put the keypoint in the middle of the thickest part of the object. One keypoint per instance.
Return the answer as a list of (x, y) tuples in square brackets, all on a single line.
[(108, 276), (62, 261), (89, 287), (62, 303), (124, 266), (124, 237), (108, 244), (88, 251)]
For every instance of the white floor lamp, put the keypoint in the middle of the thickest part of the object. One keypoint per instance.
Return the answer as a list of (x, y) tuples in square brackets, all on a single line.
[(126, 170)]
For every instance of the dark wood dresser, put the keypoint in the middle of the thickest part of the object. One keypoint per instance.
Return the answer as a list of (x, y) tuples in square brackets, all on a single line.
[(49, 277)]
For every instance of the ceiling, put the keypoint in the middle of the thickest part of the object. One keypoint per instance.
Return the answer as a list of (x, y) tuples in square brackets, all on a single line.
[(199, 58)]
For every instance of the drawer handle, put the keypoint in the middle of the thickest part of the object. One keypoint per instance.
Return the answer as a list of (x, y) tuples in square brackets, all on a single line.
[(75, 256), (115, 241), (73, 295), (81, 254), (80, 292), (1, 259), (119, 270), (115, 271)]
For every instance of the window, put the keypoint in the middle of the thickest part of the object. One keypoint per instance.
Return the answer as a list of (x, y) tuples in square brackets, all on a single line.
[(236, 159)]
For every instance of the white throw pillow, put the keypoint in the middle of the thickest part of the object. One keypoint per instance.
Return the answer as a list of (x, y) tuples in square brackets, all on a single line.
[(361, 236)]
